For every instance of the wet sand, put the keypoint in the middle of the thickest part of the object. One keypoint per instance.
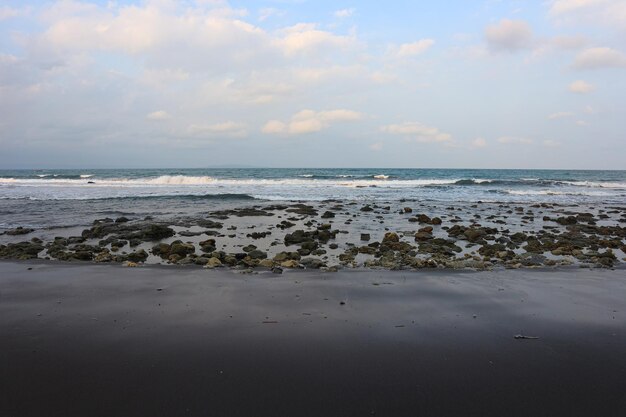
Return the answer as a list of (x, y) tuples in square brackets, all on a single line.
[(105, 340)]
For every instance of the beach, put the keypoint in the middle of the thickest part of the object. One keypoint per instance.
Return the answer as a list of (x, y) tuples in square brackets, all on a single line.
[(81, 339)]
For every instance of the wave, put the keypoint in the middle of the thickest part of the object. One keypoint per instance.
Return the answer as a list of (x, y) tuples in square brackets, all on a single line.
[(553, 192), (304, 180), (592, 184), (224, 196)]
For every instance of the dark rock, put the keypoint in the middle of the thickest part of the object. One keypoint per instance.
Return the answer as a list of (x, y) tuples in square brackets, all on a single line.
[(19, 231), (138, 256)]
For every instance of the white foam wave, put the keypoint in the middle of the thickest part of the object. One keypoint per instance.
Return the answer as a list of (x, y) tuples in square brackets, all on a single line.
[(592, 184), (552, 192), (381, 177), (86, 175), (182, 180)]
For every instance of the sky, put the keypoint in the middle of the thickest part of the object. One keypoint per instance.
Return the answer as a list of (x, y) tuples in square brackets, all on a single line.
[(297, 83)]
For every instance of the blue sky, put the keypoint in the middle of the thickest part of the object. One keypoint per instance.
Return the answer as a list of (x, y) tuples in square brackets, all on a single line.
[(476, 84)]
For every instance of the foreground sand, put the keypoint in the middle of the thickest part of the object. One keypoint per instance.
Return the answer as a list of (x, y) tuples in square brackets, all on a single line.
[(104, 340)]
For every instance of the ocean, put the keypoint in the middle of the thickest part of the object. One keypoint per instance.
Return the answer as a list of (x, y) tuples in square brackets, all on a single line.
[(42, 198)]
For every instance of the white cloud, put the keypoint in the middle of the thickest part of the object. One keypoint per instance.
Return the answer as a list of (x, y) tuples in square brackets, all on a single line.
[(602, 57), (508, 35), (590, 110), (418, 132), (309, 121), (305, 38), (274, 127), (514, 140), (581, 123), (549, 143), (228, 128), (580, 87), (378, 146), (560, 115), (268, 12), (7, 12), (414, 48), (593, 12), (344, 13), (479, 143), (158, 115)]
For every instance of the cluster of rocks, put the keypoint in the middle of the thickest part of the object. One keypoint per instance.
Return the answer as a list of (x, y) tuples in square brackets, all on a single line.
[(565, 238)]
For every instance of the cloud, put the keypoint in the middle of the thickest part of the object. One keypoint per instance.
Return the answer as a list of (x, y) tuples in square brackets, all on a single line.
[(560, 115), (344, 13), (512, 140), (580, 87), (593, 12), (274, 127), (158, 115), (268, 12), (479, 143), (309, 121), (306, 38), (228, 128), (414, 48), (378, 146), (602, 57), (508, 36), (7, 12), (418, 132), (549, 143)]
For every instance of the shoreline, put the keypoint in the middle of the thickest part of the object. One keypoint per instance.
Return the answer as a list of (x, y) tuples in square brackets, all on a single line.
[(101, 340)]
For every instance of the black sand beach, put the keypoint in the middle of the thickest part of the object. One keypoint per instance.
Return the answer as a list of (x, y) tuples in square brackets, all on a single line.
[(104, 340)]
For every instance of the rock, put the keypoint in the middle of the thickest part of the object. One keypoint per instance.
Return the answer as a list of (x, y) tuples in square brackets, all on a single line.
[(207, 246), (422, 218), (391, 237), (290, 264), (19, 231), (209, 224), (408, 210), (365, 237), (21, 250), (122, 220), (427, 229), (257, 254), (162, 250), (213, 263), (569, 220), (435, 221), (328, 215), (474, 234), (267, 263), (181, 249), (422, 236), (104, 256), (302, 209), (157, 232), (130, 264), (138, 256), (366, 208), (313, 263)]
